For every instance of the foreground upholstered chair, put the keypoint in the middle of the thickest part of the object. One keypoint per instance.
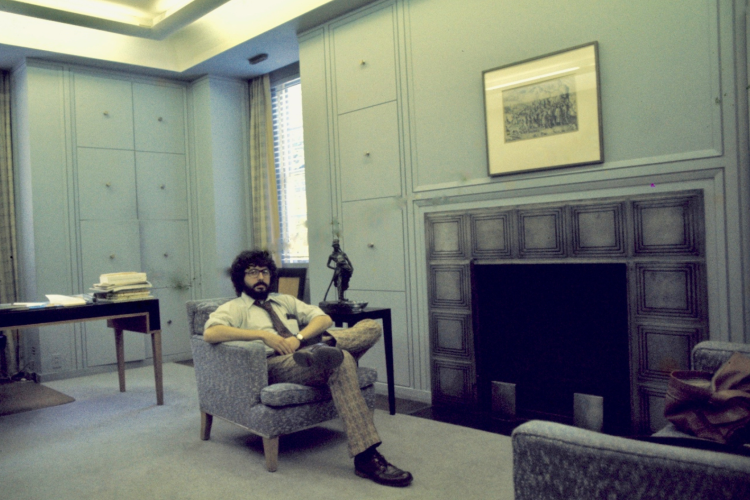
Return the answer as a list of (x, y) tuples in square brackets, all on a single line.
[(233, 385), (553, 461)]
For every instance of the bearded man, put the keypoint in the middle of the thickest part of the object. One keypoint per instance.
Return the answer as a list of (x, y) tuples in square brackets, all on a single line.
[(301, 351)]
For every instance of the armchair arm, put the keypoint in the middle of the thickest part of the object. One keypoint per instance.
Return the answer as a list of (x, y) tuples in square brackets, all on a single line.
[(552, 461), (229, 376), (710, 355)]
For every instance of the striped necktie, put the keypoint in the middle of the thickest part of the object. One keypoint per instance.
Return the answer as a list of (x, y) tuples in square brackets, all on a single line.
[(280, 328)]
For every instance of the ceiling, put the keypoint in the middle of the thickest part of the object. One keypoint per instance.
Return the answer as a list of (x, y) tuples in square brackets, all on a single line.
[(182, 39)]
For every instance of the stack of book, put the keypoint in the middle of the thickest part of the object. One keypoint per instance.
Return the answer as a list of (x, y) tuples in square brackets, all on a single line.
[(118, 287)]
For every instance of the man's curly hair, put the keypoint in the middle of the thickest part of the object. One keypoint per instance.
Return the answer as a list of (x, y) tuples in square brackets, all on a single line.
[(258, 258)]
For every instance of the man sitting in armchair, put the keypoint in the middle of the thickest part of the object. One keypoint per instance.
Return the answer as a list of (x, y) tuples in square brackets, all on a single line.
[(309, 356)]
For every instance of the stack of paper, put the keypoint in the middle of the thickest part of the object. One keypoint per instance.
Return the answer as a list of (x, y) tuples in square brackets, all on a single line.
[(117, 287), (65, 300), (126, 278)]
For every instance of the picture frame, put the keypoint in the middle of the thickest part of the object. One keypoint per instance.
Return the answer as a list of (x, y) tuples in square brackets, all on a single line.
[(544, 112)]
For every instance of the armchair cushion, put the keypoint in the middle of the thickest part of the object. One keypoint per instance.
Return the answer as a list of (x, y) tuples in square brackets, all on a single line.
[(285, 394)]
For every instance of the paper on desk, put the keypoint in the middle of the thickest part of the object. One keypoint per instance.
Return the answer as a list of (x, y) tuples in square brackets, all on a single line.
[(65, 300)]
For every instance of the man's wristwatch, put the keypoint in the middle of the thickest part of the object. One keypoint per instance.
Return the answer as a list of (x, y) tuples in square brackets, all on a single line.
[(300, 337)]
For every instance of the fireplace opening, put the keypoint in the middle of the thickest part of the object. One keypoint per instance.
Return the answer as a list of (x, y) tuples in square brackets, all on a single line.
[(554, 330)]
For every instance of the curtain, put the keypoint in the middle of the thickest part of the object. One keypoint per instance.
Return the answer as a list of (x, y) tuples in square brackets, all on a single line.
[(262, 168), (8, 269)]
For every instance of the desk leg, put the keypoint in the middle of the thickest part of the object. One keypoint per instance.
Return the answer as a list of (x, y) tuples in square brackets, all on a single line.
[(120, 346), (158, 377), (388, 344)]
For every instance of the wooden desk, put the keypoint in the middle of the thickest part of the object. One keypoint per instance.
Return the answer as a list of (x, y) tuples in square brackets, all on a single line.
[(383, 314), (136, 316)]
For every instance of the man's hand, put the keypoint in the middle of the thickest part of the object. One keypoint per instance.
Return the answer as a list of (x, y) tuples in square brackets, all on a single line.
[(282, 345)]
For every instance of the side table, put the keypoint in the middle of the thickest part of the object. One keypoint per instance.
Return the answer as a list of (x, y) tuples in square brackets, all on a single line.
[(384, 314)]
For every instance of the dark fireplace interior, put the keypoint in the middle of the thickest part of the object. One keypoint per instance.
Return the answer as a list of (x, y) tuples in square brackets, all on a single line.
[(554, 330)]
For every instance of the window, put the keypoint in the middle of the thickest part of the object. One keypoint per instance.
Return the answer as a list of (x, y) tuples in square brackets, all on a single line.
[(289, 154)]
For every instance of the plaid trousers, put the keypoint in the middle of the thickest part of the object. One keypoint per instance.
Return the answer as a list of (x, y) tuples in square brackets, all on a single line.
[(343, 382)]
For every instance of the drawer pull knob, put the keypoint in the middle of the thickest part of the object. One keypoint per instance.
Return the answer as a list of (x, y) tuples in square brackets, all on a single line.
[(160, 119), (109, 184), (106, 113), (371, 245), (169, 322), (112, 257), (362, 62), (166, 254), (367, 153), (163, 186)]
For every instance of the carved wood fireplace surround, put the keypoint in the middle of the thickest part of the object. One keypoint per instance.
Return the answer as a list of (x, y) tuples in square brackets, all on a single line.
[(660, 240)]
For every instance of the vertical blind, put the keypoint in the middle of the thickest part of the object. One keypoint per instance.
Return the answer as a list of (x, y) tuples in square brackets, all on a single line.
[(289, 155)]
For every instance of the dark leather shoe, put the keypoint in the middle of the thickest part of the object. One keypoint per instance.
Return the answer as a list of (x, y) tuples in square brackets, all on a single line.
[(377, 468), (319, 355)]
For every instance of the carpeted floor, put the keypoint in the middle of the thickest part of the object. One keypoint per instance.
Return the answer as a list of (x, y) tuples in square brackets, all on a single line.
[(17, 397), (112, 445), (25, 396)]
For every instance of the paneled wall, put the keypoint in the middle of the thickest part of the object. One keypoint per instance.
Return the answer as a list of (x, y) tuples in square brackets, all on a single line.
[(106, 183), (130, 167), (394, 130), (366, 143)]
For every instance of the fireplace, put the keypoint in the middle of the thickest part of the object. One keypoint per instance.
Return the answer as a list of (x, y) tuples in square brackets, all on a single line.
[(652, 246), (553, 330)]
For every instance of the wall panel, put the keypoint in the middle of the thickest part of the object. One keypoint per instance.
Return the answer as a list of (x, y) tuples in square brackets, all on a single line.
[(104, 112), (645, 70), (365, 61), (671, 121)]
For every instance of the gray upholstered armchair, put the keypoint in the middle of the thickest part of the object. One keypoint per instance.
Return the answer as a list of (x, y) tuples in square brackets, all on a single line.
[(233, 384), (553, 461)]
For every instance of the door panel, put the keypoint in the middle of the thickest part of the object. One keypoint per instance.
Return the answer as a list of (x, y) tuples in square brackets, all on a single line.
[(165, 249), (103, 112), (106, 184), (365, 58), (175, 334), (159, 118), (373, 239), (162, 186), (369, 151)]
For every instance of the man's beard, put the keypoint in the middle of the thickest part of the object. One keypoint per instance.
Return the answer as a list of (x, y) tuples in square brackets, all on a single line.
[(257, 293)]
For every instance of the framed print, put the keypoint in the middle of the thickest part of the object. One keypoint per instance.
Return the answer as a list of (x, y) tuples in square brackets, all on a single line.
[(544, 112)]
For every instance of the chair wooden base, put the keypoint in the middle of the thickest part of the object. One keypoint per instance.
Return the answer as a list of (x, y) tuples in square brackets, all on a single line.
[(206, 420), (271, 452), (270, 445)]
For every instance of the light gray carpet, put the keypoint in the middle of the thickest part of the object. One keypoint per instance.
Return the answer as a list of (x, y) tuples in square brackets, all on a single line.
[(112, 445)]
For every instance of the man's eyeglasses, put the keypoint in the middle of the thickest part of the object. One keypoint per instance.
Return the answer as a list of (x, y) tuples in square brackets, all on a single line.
[(255, 272)]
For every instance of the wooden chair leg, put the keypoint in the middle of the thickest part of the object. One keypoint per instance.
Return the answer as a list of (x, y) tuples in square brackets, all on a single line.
[(206, 420), (271, 452), (120, 350)]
